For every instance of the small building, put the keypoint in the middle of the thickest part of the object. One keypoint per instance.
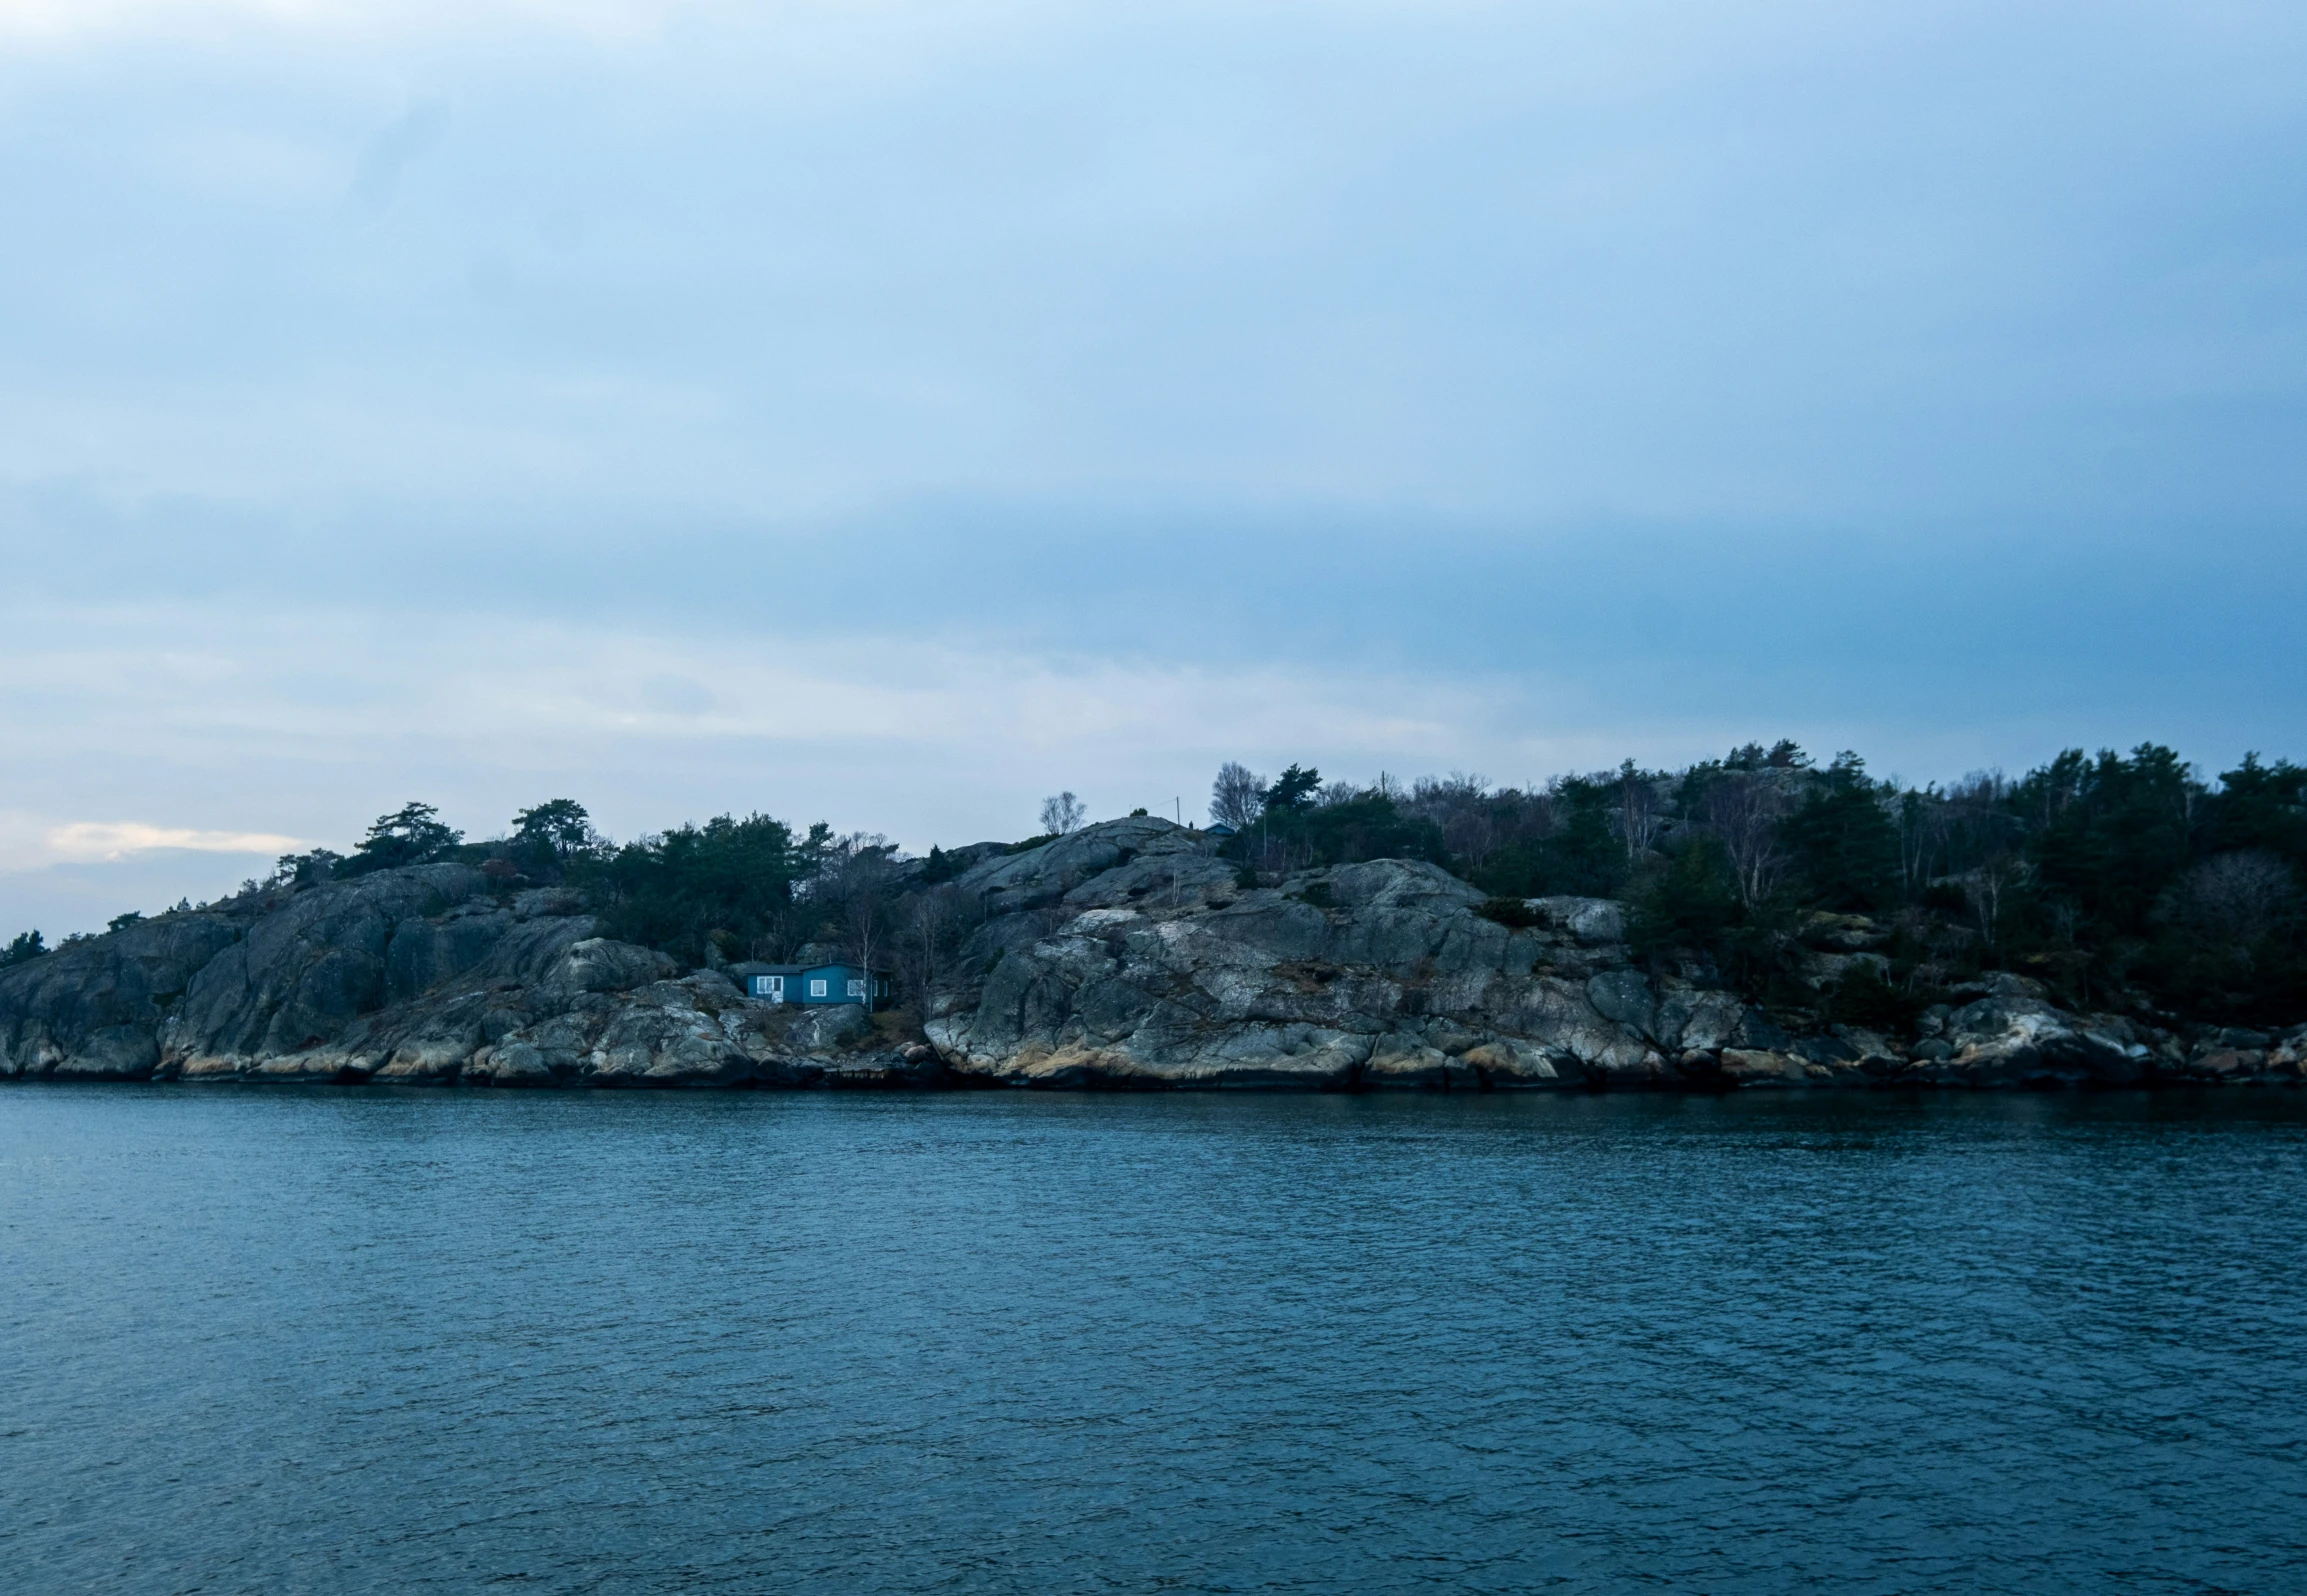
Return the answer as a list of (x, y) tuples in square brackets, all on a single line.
[(818, 983), (773, 983), (1217, 828)]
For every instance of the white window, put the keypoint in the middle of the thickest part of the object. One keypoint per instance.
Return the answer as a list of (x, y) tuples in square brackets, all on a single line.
[(776, 988), (857, 989), (817, 989)]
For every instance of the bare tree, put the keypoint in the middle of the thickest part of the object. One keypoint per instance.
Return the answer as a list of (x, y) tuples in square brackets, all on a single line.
[(1988, 885), (1922, 832), (1061, 814), (1236, 797), (853, 885), (1973, 823), (1641, 813), (2233, 899), (1744, 808), (1460, 808), (933, 924)]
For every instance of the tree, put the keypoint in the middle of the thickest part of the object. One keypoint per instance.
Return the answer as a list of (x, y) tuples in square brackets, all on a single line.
[(931, 925), (1293, 791), (2231, 945), (554, 829), (852, 890), (1922, 828), (2259, 806), (2233, 899), (1988, 886), (1688, 901), (22, 949), (1640, 815), (1845, 843), (675, 890), (1743, 806), (1237, 797), (1460, 805), (2110, 834), (121, 922), (1344, 829), (305, 869), (1061, 814), (410, 835), (1785, 754)]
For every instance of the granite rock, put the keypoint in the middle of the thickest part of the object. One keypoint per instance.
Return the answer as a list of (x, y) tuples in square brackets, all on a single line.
[(1128, 954)]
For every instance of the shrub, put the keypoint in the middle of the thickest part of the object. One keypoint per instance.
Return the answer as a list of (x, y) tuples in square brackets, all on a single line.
[(1864, 998)]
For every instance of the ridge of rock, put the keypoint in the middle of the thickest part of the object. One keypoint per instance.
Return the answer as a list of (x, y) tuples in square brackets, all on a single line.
[(418, 976), (1127, 954)]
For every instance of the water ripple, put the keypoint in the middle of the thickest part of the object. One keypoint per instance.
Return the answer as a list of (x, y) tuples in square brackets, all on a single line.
[(374, 1340)]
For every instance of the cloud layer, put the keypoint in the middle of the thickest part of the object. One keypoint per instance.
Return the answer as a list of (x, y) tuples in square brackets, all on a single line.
[(894, 411)]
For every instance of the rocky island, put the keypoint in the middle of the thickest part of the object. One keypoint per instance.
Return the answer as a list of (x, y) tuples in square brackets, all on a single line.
[(1129, 954)]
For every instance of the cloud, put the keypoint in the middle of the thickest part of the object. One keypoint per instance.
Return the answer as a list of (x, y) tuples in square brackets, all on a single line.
[(311, 723), (1781, 262), (29, 841), (116, 839), (892, 412)]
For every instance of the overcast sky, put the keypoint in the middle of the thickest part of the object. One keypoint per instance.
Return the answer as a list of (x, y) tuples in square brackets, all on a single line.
[(891, 412)]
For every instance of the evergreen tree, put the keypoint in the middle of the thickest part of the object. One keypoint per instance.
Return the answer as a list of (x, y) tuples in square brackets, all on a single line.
[(1844, 843), (412, 834), (1292, 791), (553, 830)]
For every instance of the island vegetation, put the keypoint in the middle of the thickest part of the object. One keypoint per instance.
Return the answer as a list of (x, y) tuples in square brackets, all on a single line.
[(2120, 881)]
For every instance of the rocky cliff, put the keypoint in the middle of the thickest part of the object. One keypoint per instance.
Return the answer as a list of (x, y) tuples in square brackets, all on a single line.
[(1127, 954)]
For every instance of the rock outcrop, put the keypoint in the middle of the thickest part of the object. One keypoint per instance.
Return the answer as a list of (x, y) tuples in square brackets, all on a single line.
[(1125, 955), (418, 976), (1128, 955)]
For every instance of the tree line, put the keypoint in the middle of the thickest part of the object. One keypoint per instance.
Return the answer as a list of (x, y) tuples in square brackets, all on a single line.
[(2113, 877)]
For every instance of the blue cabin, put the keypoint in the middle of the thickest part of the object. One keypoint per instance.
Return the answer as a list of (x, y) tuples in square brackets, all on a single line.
[(819, 983)]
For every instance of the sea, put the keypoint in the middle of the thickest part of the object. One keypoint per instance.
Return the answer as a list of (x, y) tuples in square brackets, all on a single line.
[(365, 1340)]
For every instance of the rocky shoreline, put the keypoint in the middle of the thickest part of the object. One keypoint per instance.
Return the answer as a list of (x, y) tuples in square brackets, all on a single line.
[(1124, 956)]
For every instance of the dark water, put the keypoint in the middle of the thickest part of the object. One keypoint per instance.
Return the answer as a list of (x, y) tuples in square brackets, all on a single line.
[(365, 1341)]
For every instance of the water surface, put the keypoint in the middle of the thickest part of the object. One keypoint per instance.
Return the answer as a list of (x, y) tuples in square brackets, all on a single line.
[(365, 1340)]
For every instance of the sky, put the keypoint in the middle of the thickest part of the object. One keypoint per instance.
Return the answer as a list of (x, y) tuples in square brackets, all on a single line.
[(891, 413)]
